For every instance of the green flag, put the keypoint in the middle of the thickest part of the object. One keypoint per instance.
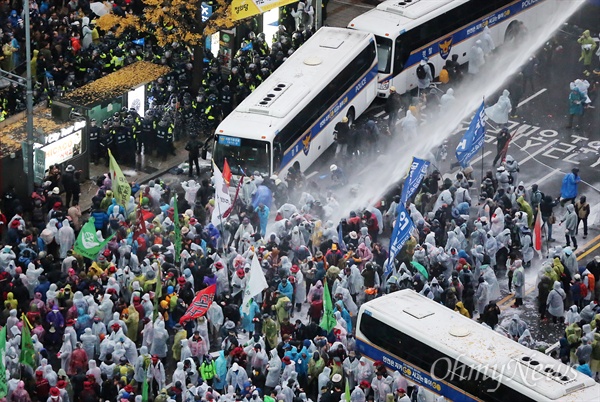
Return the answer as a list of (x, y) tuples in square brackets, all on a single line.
[(422, 270), (347, 392), (87, 243), (177, 229), (328, 320), (3, 386), (120, 186), (27, 350), (145, 391)]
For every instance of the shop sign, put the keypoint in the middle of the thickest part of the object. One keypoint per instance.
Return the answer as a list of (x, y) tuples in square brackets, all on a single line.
[(60, 147), (241, 9), (206, 11)]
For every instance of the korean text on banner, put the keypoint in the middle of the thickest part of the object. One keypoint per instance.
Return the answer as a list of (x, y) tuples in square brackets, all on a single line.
[(418, 170), (472, 140), (241, 9), (402, 229)]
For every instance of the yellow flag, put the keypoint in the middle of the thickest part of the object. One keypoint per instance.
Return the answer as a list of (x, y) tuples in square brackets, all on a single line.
[(120, 186)]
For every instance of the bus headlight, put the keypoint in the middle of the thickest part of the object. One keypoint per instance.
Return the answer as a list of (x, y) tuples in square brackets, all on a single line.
[(384, 85)]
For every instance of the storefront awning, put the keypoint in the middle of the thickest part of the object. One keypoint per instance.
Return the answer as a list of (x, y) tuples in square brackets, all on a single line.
[(13, 133), (116, 84)]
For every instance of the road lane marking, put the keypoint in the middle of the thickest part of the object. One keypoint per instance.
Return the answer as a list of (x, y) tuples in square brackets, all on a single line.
[(308, 176), (480, 157), (524, 101), (539, 151), (543, 179)]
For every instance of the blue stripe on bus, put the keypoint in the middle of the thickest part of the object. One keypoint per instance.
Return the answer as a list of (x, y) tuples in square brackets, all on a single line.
[(303, 144), (412, 373), (471, 30)]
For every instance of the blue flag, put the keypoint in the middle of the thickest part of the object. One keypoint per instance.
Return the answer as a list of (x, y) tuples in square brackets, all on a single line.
[(418, 170), (247, 47), (472, 141), (404, 225), (139, 42)]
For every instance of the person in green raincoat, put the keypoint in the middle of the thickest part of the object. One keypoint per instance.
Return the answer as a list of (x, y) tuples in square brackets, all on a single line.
[(270, 331), (315, 367), (132, 321), (282, 307), (588, 45), (525, 207), (179, 335)]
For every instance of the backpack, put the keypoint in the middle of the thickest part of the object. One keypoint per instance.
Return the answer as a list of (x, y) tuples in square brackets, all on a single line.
[(583, 289), (421, 73), (591, 282), (444, 77)]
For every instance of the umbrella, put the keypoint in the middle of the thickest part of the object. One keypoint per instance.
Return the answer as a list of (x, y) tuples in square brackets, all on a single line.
[(422, 270), (99, 8)]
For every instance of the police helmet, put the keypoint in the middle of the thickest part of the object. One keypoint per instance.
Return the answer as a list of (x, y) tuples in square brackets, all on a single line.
[(248, 76), (251, 35), (212, 99)]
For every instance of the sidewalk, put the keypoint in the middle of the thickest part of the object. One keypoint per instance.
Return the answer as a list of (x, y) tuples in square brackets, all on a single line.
[(147, 168)]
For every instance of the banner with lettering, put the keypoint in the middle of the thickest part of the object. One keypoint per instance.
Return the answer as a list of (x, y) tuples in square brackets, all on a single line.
[(401, 233), (241, 9), (418, 170)]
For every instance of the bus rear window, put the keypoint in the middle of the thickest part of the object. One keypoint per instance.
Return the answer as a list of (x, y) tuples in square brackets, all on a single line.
[(249, 155)]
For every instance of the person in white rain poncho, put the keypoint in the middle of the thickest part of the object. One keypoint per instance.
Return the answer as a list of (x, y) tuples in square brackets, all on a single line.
[(447, 100), (95, 371), (572, 316), (500, 111), (159, 340), (190, 187), (476, 58), (236, 377), (65, 353), (324, 379), (490, 277), (409, 125), (487, 42), (88, 342)]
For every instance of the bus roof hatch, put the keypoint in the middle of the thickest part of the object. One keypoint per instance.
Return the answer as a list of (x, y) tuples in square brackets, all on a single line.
[(412, 9)]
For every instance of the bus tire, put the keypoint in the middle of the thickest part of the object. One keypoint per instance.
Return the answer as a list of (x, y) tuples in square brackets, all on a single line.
[(350, 115), (512, 31)]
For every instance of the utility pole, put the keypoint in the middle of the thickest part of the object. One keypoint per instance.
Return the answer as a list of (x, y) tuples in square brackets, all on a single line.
[(29, 96), (18, 80)]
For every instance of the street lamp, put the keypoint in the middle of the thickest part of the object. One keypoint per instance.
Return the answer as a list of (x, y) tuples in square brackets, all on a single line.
[(15, 79)]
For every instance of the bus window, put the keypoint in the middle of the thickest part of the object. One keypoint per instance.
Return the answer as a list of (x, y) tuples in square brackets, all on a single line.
[(384, 54), (250, 155), (398, 59), (277, 155)]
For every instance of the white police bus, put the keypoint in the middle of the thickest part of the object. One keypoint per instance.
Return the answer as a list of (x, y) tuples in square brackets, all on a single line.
[(406, 31), (450, 355), (291, 115)]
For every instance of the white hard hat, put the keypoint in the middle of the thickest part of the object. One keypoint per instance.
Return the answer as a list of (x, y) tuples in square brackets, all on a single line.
[(333, 168)]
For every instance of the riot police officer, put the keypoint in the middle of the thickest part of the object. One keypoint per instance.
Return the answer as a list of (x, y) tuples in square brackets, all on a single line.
[(105, 141), (94, 132), (147, 132)]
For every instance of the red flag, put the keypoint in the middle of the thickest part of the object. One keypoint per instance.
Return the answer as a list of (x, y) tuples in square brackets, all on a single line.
[(200, 304), (237, 192), (226, 172), (537, 233)]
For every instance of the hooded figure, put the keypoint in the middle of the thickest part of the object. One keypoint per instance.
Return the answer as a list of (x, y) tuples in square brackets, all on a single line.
[(180, 375), (572, 316), (20, 394), (501, 110), (65, 352), (487, 42), (88, 341), (476, 57), (159, 341), (517, 327), (409, 126), (497, 222), (95, 371), (555, 301), (447, 100), (273, 370), (236, 377)]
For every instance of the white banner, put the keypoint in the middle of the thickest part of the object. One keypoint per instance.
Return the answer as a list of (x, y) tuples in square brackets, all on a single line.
[(222, 197)]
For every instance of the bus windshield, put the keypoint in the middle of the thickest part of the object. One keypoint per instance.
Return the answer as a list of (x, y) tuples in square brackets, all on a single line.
[(250, 155), (384, 54)]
